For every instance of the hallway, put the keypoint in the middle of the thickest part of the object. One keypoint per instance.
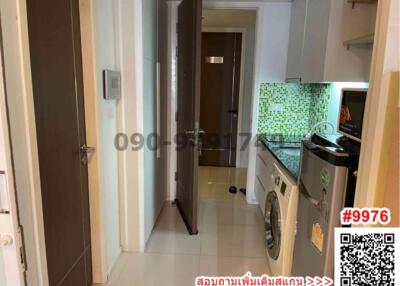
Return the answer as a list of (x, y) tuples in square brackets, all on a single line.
[(230, 240)]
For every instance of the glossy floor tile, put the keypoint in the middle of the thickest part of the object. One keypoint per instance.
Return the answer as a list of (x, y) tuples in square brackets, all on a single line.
[(230, 240), (228, 266)]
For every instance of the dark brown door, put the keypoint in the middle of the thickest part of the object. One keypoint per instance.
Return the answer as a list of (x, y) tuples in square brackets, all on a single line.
[(55, 50), (220, 85), (189, 53)]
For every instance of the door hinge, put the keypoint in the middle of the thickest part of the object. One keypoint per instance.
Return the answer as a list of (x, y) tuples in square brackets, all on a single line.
[(176, 176), (22, 252)]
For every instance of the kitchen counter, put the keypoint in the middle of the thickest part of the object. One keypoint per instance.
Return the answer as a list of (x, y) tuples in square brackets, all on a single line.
[(285, 149)]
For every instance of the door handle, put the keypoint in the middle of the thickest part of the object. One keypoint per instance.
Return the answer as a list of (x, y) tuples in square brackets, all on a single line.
[(193, 132), (200, 147), (319, 204), (196, 140), (234, 112), (88, 150), (312, 147)]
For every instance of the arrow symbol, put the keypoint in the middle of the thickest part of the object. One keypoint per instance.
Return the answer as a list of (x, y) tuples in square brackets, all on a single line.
[(309, 281), (318, 281), (327, 281)]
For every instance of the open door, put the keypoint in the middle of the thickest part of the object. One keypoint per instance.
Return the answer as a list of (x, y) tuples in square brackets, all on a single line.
[(11, 254), (189, 66), (57, 81)]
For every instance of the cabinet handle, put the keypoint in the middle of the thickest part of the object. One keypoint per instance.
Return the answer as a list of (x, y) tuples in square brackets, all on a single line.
[(293, 79)]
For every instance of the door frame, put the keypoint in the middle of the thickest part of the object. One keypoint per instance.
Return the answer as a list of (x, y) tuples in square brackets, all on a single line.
[(92, 115), (11, 268), (241, 81), (172, 42), (259, 37), (30, 209), (367, 191), (32, 206)]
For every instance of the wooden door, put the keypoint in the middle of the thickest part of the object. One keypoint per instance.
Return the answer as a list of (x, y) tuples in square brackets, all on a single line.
[(220, 86), (55, 50), (189, 52)]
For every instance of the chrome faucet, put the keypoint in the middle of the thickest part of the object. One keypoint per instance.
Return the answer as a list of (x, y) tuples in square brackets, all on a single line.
[(309, 134)]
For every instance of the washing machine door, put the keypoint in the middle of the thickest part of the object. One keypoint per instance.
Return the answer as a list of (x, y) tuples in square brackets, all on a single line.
[(272, 225)]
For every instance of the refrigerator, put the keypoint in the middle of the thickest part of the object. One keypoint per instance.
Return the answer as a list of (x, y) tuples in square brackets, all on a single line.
[(323, 183)]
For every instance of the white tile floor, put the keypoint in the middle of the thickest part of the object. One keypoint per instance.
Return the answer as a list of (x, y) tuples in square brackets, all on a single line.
[(230, 240)]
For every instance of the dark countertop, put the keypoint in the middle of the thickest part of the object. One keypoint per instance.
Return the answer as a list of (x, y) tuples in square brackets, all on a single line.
[(285, 149)]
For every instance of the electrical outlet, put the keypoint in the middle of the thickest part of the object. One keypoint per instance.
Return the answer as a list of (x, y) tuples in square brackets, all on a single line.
[(276, 107)]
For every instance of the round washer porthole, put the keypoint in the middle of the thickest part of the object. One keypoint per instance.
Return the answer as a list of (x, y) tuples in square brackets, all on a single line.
[(272, 225)]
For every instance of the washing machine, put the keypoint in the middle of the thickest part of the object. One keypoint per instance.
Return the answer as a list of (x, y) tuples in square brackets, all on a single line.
[(280, 222)]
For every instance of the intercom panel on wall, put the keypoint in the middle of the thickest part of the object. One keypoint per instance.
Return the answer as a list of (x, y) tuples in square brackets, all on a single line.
[(112, 84)]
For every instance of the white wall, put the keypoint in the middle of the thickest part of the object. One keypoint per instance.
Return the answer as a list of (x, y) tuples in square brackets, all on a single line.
[(272, 41), (247, 93), (105, 59)]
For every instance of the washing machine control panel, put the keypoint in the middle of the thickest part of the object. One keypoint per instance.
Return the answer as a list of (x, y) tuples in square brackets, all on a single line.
[(283, 185), (277, 181)]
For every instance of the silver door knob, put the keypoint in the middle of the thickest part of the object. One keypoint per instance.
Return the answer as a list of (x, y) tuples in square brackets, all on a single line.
[(6, 240), (87, 149), (87, 152)]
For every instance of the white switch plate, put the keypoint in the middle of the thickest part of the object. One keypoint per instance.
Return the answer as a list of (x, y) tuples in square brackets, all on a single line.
[(276, 107)]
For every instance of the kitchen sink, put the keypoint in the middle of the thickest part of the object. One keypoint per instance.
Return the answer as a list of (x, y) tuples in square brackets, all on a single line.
[(291, 151)]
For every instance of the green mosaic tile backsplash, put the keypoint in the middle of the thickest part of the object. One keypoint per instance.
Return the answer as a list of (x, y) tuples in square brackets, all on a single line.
[(303, 106)]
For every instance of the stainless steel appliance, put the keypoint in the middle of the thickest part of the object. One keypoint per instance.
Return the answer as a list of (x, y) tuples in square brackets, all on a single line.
[(322, 187)]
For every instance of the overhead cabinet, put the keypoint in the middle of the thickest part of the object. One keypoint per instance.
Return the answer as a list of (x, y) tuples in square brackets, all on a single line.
[(317, 52), (296, 40)]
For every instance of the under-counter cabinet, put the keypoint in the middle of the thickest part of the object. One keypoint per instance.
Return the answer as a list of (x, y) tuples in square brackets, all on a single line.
[(317, 31), (264, 175)]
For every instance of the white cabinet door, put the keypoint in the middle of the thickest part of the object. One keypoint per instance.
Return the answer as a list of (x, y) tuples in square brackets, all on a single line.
[(316, 52), (296, 40), (315, 40), (264, 173), (11, 272)]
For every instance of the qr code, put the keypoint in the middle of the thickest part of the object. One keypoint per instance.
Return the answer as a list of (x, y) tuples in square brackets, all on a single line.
[(367, 256)]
